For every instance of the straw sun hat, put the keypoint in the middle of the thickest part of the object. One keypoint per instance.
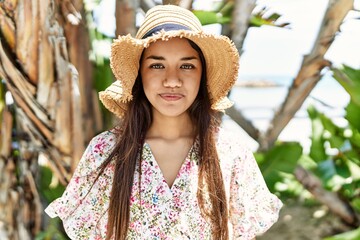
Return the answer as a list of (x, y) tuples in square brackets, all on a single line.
[(162, 23)]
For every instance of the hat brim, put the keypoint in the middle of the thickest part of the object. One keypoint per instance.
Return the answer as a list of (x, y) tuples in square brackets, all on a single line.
[(221, 56)]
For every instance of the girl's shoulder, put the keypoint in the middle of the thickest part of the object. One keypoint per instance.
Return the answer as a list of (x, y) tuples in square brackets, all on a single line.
[(97, 151), (229, 142), (104, 141)]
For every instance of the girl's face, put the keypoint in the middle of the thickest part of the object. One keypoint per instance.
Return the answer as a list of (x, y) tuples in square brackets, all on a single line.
[(171, 74)]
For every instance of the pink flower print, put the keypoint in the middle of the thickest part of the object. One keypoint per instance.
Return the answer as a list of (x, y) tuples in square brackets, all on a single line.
[(172, 215), (99, 146), (178, 203), (136, 225), (77, 179)]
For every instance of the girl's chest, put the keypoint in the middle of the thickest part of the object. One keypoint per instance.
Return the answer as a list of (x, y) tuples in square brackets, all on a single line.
[(163, 212)]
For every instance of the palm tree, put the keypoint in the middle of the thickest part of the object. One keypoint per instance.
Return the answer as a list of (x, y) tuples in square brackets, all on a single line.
[(44, 61)]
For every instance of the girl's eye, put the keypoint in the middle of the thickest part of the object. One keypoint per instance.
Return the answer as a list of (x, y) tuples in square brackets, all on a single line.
[(187, 66), (156, 66)]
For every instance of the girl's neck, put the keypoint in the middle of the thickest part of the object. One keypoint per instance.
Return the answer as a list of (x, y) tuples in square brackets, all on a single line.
[(171, 128)]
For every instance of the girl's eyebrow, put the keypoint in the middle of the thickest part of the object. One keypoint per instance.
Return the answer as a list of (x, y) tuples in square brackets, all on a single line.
[(189, 58), (154, 57)]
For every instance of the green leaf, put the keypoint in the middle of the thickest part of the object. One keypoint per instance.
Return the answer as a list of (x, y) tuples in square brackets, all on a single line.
[(289, 186), (260, 157), (349, 78), (317, 148), (281, 158), (227, 9), (52, 231), (335, 183), (336, 142), (210, 17), (353, 114), (46, 177), (262, 18), (307, 162), (104, 78), (274, 17), (41, 236), (326, 170), (50, 193), (103, 75), (355, 138), (349, 190), (351, 235), (342, 168), (223, 15), (355, 203), (336, 134), (353, 168)]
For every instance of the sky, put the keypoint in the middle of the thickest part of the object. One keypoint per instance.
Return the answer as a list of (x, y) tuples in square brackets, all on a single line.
[(280, 51)]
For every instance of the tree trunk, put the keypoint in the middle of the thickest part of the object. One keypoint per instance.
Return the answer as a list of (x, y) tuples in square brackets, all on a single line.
[(145, 5), (125, 13), (241, 21), (43, 48), (310, 71), (307, 77), (78, 43), (330, 199), (172, 2)]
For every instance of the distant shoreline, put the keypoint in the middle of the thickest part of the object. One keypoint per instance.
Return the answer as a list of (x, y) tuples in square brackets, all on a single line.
[(257, 84)]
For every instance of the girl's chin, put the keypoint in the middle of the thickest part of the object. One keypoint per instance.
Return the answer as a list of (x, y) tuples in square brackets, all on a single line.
[(170, 112)]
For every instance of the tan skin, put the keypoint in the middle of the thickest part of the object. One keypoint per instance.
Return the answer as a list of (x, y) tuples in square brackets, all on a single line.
[(171, 73)]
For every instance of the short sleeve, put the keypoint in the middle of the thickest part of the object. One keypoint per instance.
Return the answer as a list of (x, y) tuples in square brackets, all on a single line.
[(253, 208), (77, 188), (84, 202)]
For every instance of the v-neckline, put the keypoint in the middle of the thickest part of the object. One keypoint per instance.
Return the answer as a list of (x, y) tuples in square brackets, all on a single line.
[(160, 172)]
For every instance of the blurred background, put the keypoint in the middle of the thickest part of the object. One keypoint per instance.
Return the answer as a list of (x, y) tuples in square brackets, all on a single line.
[(296, 103)]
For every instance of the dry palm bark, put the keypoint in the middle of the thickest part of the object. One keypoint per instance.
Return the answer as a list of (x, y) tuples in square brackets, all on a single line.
[(145, 5), (336, 205), (310, 70), (43, 49), (240, 23), (125, 13), (78, 45), (8, 197), (307, 77), (172, 2)]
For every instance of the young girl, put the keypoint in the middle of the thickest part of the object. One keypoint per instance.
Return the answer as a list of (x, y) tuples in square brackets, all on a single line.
[(168, 170)]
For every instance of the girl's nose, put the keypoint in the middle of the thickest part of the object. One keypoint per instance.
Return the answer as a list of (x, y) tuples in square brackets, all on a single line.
[(172, 79)]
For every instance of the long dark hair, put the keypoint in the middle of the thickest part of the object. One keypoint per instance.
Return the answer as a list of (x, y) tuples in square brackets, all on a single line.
[(127, 151)]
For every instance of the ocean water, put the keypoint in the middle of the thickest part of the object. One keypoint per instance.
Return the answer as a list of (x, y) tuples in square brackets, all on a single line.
[(259, 104)]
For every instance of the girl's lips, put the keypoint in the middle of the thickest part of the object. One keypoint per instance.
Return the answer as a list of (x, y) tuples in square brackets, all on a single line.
[(171, 96)]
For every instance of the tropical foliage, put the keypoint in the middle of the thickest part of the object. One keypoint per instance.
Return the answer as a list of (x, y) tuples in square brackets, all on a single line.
[(222, 14), (332, 164)]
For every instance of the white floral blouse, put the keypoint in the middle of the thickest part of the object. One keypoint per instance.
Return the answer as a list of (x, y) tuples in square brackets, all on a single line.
[(163, 212)]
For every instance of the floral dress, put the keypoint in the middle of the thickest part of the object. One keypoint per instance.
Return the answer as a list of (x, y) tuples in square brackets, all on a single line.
[(164, 212)]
